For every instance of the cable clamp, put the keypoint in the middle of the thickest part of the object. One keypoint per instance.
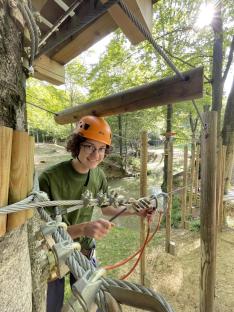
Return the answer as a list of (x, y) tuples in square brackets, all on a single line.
[(51, 227), (87, 198), (84, 292), (61, 252)]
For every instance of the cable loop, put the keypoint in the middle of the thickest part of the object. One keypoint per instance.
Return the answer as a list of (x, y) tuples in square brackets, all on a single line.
[(150, 38)]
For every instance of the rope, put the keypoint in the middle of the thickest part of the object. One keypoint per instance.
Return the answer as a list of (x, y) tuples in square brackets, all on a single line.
[(24, 12), (34, 26), (44, 109), (147, 240), (77, 262), (199, 114), (146, 33)]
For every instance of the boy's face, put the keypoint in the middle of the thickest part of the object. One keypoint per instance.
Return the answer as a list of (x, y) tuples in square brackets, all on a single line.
[(91, 153)]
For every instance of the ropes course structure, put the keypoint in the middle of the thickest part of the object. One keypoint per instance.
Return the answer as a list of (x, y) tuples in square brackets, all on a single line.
[(64, 250), (66, 253)]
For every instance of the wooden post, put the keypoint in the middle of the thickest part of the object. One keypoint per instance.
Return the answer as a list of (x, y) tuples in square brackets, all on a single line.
[(208, 212), (222, 220), (5, 163), (197, 168), (185, 186), (218, 182), (192, 166), (143, 193), (169, 191), (18, 177), (31, 145)]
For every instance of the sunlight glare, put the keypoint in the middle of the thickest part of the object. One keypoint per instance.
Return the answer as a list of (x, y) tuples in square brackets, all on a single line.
[(206, 14)]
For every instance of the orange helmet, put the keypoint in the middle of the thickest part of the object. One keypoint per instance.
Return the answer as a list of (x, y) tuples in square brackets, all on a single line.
[(94, 128)]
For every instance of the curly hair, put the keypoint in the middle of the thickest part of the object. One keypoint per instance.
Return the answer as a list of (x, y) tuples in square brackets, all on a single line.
[(73, 145)]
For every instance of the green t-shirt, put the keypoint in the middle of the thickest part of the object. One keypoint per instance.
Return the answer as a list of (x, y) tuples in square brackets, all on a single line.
[(63, 182)]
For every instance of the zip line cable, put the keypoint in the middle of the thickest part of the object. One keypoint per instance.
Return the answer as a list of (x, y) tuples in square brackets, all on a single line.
[(146, 33), (44, 109)]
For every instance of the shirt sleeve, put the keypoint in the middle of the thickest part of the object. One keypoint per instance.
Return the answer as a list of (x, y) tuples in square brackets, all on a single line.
[(44, 184), (104, 184)]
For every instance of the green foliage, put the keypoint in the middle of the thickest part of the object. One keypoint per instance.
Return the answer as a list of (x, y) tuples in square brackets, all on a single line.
[(195, 225), (176, 212), (123, 66)]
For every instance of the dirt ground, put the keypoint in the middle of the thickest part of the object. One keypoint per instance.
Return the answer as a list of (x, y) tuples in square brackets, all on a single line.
[(176, 278)]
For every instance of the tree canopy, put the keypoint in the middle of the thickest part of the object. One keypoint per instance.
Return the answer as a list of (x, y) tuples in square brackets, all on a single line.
[(122, 66)]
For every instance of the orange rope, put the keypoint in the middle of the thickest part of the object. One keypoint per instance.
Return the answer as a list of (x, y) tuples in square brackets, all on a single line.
[(139, 251), (147, 240)]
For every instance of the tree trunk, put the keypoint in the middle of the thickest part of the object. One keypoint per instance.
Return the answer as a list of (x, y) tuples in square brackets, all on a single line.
[(15, 273), (228, 138), (15, 265)]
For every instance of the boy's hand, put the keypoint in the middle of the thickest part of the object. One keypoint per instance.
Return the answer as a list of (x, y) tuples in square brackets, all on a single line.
[(145, 208), (97, 229)]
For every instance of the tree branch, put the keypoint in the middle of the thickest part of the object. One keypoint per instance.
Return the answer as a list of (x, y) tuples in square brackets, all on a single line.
[(229, 62), (182, 61)]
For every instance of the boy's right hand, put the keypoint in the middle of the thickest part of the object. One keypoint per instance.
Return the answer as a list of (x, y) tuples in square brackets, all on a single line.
[(97, 229)]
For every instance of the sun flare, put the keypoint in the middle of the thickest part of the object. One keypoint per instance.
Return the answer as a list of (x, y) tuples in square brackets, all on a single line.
[(206, 14)]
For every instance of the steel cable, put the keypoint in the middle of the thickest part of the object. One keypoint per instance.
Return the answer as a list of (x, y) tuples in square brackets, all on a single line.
[(146, 33)]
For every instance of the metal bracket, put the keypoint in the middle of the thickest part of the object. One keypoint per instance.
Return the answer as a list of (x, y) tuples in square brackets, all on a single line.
[(87, 198), (84, 292), (62, 251)]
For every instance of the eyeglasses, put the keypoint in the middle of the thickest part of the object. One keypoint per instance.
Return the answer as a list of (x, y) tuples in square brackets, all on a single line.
[(89, 149)]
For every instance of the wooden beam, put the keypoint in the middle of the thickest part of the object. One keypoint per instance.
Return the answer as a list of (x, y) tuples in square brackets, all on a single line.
[(162, 92), (141, 9), (92, 34), (49, 70), (63, 5), (38, 4), (74, 26)]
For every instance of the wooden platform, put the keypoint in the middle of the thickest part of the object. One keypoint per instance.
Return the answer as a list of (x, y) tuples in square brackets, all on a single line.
[(80, 28)]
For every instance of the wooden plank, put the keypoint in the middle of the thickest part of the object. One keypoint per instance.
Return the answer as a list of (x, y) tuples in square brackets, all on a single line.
[(5, 163), (30, 173), (82, 20), (162, 92), (92, 34), (141, 9), (49, 70), (18, 177), (208, 212)]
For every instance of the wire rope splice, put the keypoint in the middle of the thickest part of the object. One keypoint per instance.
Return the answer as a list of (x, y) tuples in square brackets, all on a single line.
[(78, 263), (57, 252)]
